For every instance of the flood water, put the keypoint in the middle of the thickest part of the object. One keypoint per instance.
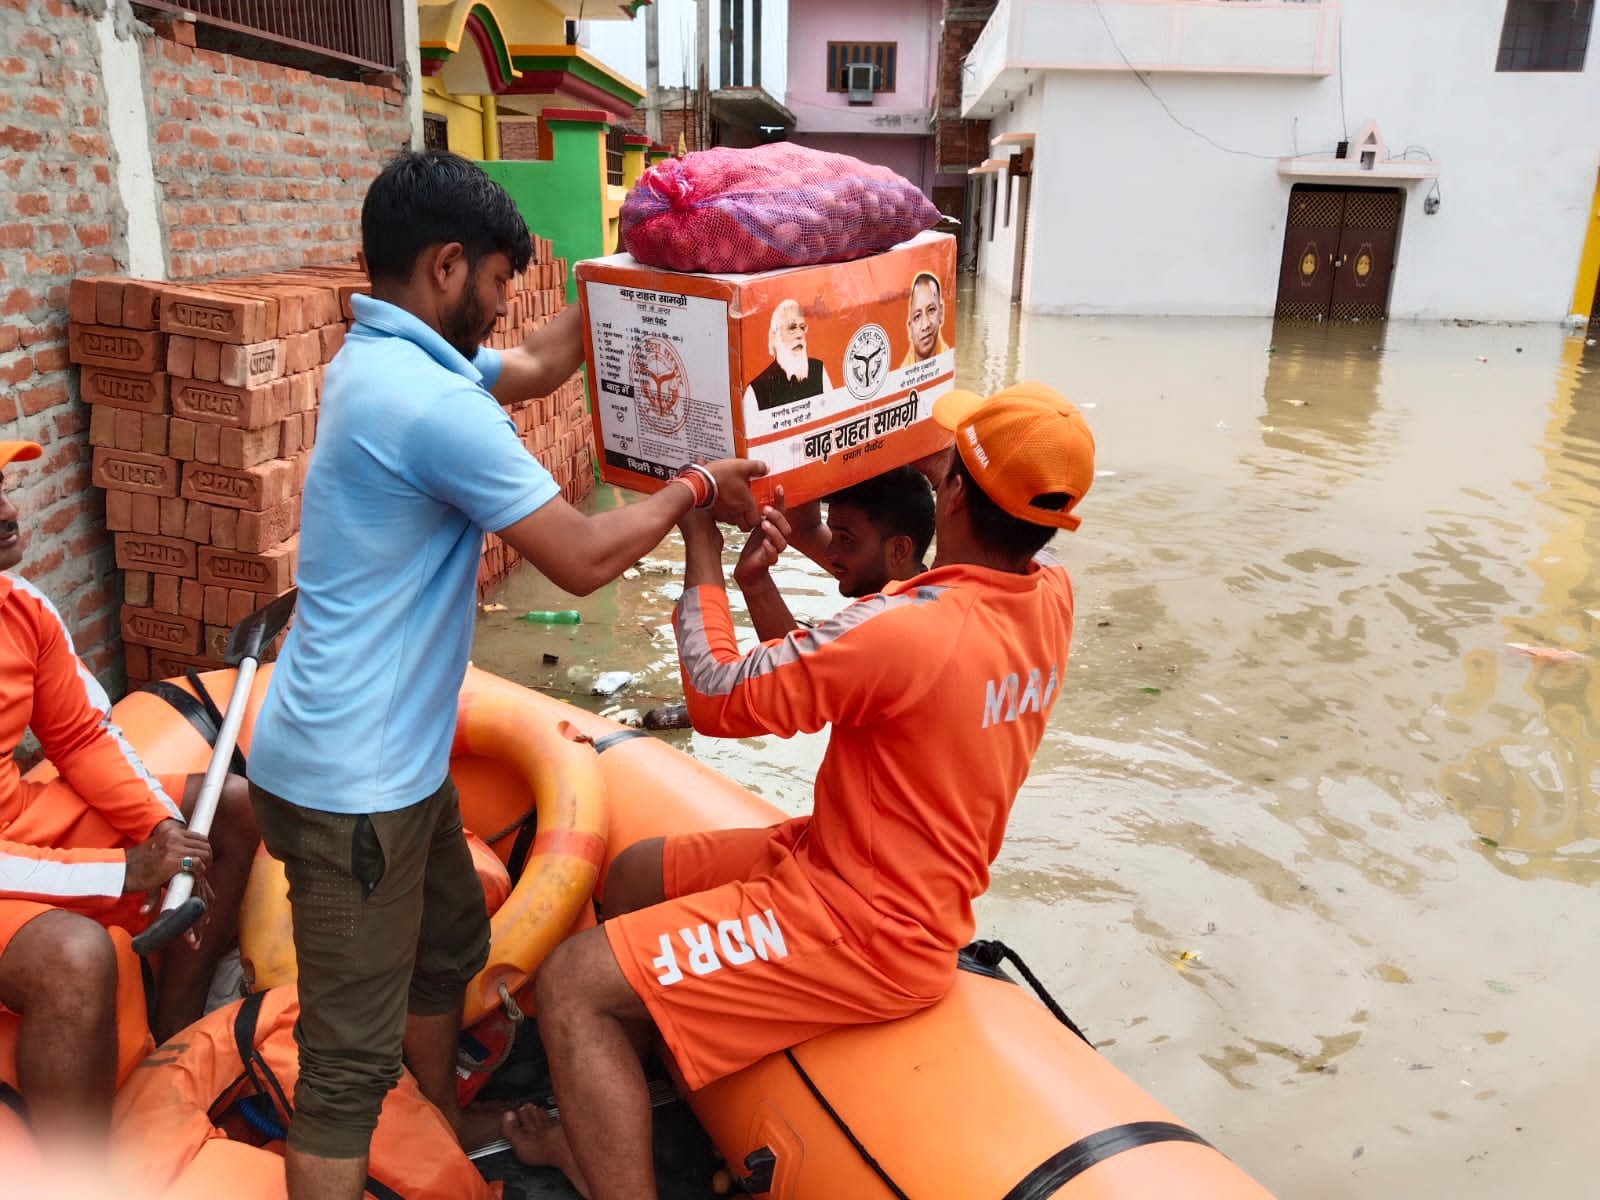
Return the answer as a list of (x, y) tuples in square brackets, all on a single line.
[(1310, 848)]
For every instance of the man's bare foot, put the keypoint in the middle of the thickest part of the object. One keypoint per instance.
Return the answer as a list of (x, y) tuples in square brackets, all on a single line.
[(538, 1140), (479, 1124)]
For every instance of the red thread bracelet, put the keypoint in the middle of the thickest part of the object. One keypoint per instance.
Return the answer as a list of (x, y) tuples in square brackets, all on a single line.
[(696, 488), (710, 481)]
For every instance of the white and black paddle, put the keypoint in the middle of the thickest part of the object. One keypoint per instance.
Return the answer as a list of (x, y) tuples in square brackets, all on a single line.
[(182, 908)]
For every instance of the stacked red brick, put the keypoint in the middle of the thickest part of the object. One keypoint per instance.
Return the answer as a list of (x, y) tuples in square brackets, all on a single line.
[(203, 408), (203, 411), (555, 428)]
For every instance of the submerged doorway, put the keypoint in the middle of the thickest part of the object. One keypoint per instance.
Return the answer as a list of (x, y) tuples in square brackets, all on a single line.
[(1338, 253)]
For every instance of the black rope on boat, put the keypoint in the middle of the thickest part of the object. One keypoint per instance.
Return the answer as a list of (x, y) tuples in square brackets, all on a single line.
[(894, 1188), (526, 826), (269, 1092), (605, 741), (501, 834), (202, 714), (1065, 1165), (517, 860), (238, 765), (989, 954)]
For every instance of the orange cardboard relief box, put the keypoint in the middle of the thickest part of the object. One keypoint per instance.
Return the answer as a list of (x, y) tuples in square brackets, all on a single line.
[(826, 373)]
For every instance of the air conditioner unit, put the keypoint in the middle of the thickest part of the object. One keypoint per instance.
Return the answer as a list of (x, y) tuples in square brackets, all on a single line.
[(859, 80)]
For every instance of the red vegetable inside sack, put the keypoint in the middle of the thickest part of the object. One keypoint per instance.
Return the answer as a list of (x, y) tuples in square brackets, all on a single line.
[(778, 205)]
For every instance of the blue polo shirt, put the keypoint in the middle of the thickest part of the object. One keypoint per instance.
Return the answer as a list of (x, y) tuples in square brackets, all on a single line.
[(413, 460)]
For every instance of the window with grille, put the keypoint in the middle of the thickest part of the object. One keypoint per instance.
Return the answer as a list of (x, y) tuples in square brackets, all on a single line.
[(347, 35), (880, 54), (615, 141), (1545, 35), (435, 132)]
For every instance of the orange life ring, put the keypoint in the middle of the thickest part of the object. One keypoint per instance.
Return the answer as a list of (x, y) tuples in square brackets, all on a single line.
[(264, 925), (563, 775)]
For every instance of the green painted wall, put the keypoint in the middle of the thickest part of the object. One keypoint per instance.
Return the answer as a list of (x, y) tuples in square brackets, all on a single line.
[(562, 199)]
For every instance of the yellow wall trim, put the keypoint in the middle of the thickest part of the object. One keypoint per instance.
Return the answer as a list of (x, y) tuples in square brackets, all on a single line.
[(1583, 294)]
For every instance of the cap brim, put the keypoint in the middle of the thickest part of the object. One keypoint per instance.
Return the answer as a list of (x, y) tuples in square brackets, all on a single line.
[(955, 407), (19, 451)]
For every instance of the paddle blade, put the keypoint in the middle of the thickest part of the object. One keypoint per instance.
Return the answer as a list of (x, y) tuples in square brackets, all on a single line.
[(259, 628)]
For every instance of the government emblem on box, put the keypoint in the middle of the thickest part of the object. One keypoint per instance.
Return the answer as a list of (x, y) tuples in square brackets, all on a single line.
[(866, 362), (661, 385)]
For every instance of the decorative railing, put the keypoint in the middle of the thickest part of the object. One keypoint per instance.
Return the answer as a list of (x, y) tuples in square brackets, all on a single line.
[(361, 32)]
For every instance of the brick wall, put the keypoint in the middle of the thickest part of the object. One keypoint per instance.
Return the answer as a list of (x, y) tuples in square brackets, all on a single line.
[(519, 140), (262, 166), (57, 221), (257, 167), (676, 122), (958, 144), (961, 144)]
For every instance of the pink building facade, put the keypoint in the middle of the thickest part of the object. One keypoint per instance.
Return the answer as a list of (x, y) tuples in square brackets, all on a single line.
[(889, 122)]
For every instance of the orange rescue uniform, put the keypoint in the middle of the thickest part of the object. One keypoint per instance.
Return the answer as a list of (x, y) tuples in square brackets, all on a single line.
[(62, 843), (938, 692)]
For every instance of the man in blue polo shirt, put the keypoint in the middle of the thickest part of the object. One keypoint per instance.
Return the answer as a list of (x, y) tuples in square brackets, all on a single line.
[(350, 754)]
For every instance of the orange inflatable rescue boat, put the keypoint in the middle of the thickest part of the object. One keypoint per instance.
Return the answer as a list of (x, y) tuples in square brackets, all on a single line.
[(207, 1112), (987, 1095)]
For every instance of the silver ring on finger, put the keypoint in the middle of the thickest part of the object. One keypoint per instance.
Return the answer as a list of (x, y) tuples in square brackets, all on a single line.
[(186, 863)]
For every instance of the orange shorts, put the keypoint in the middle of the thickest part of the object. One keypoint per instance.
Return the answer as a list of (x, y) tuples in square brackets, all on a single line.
[(52, 814), (745, 958)]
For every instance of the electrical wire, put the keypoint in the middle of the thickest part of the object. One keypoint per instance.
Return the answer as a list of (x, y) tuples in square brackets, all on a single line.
[(1165, 107)]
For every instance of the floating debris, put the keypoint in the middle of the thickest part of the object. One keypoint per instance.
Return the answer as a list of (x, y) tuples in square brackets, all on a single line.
[(1545, 653), (490, 608), (611, 682), (668, 716), (566, 616)]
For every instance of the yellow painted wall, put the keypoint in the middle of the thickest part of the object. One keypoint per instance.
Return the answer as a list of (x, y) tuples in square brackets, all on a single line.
[(464, 114), (519, 21), (530, 22), (1589, 265)]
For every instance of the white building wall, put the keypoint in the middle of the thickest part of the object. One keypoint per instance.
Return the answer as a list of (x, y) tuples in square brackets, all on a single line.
[(1135, 214), (996, 255)]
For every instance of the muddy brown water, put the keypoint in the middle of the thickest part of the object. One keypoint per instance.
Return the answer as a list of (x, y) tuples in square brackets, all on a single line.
[(1310, 848)]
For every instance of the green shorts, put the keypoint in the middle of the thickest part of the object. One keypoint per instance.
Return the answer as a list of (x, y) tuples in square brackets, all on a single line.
[(389, 919)]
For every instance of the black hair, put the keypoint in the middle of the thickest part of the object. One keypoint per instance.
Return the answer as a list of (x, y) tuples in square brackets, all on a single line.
[(997, 529), (896, 502), (427, 198)]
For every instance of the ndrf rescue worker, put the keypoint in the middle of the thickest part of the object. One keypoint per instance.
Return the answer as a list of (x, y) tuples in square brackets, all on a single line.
[(734, 944)]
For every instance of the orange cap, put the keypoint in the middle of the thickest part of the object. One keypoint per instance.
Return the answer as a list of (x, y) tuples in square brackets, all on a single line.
[(19, 451), (1027, 447)]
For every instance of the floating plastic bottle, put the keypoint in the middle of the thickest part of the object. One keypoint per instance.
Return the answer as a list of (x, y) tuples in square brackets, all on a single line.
[(567, 616)]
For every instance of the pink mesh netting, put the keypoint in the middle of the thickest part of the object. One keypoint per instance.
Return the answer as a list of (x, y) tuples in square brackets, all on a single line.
[(779, 205)]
